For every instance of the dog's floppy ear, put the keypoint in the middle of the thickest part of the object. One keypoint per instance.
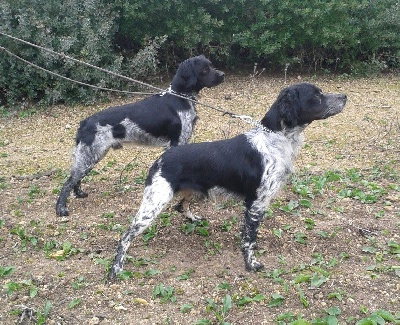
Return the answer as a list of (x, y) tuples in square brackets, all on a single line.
[(185, 78), (283, 112), (289, 107)]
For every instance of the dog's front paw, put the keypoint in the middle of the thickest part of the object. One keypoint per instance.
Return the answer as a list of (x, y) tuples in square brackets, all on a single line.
[(193, 218), (254, 265), (62, 211), (80, 194), (115, 269), (112, 274)]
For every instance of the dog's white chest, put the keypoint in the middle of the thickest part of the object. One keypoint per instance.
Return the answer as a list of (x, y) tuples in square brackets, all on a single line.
[(187, 119)]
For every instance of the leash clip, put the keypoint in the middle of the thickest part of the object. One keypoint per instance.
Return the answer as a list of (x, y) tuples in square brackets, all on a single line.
[(166, 91), (246, 118)]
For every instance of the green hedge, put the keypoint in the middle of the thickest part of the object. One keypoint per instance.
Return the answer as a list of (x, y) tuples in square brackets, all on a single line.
[(83, 29), (128, 37), (313, 34)]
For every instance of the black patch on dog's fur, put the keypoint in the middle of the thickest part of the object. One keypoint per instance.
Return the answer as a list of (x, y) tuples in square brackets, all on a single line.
[(184, 169), (119, 131)]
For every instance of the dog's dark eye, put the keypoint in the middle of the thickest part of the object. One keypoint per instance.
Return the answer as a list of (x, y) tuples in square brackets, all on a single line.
[(319, 97), (205, 70)]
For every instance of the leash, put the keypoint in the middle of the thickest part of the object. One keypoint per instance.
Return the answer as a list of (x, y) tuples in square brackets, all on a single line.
[(69, 79), (245, 118)]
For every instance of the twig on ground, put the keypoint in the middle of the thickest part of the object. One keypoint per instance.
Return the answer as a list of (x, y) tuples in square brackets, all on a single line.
[(37, 176)]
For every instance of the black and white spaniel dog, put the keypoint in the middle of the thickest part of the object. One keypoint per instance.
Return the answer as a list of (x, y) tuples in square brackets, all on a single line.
[(160, 120), (253, 165)]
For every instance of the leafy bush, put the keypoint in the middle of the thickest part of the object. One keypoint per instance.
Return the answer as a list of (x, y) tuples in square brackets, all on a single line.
[(312, 34), (80, 29), (129, 37)]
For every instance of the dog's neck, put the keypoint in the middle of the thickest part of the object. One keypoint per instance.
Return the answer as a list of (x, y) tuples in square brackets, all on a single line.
[(294, 136), (192, 95)]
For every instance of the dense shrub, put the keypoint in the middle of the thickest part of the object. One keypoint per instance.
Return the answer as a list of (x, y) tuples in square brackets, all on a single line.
[(131, 37), (312, 34), (83, 29)]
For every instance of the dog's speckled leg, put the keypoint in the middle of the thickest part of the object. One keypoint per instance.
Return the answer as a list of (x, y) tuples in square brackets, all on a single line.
[(249, 234), (155, 197)]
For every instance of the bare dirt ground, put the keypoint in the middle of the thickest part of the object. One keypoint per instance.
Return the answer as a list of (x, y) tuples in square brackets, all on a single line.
[(330, 242)]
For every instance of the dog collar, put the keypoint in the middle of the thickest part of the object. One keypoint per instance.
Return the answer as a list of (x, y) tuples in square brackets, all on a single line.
[(169, 90)]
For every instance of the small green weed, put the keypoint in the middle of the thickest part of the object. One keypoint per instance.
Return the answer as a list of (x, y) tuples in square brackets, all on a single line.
[(43, 314), (141, 179), (336, 294), (198, 227), (125, 275), (11, 287), (290, 207), (252, 296), (110, 226), (309, 223), (228, 224), (105, 262), (220, 310), (223, 286), (73, 303), (6, 270), (277, 232), (165, 293), (3, 183), (213, 247), (300, 237), (24, 238), (108, 215), (63, 251), (79, 282), (149, 233), (142, 261), (151, 272), (108, 165), (185, 308), (35, 192), (165, 219), (379, 317), (185, 275), (276, 300), (302, 297)]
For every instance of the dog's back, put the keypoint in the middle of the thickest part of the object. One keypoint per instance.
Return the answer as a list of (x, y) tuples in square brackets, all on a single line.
[(155, 121)]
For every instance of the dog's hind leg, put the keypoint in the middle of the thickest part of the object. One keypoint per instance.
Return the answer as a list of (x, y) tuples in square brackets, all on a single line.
[(155, 197), (72, 183), (183, 206), (78, 191), (84, 159)]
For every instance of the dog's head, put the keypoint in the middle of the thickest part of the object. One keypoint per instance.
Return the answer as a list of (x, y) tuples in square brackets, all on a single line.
[(195, 74), (299, 105)]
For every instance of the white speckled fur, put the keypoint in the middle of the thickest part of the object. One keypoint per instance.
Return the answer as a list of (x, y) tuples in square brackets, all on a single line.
[(279, 151), (155, 197), (187, 118)]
